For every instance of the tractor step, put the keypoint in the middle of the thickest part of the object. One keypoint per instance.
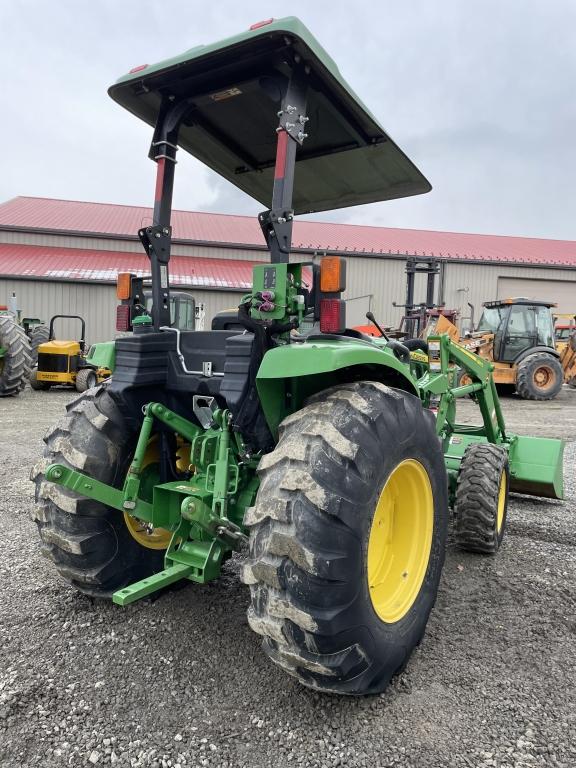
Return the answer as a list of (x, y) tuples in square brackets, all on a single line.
[(150, 584)]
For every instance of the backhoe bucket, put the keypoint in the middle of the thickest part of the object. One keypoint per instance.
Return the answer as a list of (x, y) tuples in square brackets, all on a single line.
[(536, 466)]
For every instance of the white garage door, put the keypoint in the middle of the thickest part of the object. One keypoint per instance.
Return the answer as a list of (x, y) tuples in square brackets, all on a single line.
[(561, 292)]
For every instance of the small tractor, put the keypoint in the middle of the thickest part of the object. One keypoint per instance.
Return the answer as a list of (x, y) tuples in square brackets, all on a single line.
[(64, 362), (309, 444)]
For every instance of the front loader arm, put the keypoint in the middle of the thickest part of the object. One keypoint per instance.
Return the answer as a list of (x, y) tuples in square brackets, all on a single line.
[(535, 462), (443, 355)]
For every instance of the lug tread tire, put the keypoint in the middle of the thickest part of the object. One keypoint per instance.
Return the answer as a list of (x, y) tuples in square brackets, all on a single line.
[(17, 359), (39, 335), (477, 493), (83, 378), (36, 385), (525, 386), (87, 541), (306, 565)]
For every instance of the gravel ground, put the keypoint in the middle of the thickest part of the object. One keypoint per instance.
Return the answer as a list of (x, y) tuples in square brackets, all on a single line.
[(181, 681)]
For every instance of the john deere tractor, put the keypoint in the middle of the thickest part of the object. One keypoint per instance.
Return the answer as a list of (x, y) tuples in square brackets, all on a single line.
[(19, 340), (308, 443), (15, 356)]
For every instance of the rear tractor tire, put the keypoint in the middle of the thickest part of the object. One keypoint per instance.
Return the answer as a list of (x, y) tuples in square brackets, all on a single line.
[(16, 362), (481, 504), (347, 538), (94, 547), (39, 335), (539, 377)]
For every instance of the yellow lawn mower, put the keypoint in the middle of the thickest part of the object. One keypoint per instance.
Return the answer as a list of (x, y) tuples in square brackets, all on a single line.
[(64, 362)]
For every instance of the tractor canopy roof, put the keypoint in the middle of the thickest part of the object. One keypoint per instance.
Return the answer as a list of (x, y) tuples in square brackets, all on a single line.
[(518, 300), (235, 88)]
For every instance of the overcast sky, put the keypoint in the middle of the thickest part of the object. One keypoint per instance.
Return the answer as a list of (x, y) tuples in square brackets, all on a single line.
[(481, 94)]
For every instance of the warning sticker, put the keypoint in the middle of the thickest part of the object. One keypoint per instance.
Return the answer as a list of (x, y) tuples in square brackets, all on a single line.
[(163, 276), (227, 94)]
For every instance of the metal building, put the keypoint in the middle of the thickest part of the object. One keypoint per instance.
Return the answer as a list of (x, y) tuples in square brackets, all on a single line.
[(62, 257)]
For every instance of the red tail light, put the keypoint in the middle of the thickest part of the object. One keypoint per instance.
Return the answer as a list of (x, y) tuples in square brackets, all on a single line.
[(123, 317), (332, 316)]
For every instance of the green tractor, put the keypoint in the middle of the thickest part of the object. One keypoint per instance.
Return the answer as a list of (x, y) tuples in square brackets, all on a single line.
[(15, 356), (311, 444), (20, 338)]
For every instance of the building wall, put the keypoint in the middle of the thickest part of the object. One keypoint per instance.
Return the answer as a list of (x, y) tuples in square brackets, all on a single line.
[(372, 283), (476, 283), (95, 303), (561, 292)]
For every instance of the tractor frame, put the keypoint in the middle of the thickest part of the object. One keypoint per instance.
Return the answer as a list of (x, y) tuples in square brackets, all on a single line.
[(209, 409)]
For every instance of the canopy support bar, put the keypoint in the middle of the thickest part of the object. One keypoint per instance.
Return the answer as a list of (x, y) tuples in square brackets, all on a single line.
[(157, 239), (276, 223)]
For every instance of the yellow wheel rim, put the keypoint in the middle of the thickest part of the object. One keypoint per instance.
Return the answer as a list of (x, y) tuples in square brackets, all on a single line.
[(145, 533), (400, 541), (501, 502)]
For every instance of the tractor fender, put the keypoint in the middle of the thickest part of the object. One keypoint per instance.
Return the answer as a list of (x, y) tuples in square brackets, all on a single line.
[(291, 373), (533, 350)]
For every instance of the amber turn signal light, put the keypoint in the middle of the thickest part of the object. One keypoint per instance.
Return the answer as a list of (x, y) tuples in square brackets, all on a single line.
[(123, 285), (332, 274)]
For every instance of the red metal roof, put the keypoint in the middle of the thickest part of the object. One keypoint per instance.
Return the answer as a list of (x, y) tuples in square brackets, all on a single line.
[(125, 220), (103, 266)]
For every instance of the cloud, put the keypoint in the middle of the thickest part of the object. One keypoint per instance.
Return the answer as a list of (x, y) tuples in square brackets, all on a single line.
[(479, 94)]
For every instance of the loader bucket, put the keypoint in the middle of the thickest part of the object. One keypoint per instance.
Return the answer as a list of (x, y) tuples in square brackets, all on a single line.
[(536, 466)]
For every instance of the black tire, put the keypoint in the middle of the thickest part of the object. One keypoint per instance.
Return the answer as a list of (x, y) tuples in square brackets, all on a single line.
[(309, 532), (89, 542), (16, 362), (572, 383), (463, 378), (86, 378), (477, 525), (35, 384), (39, 335), (539, 377)]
